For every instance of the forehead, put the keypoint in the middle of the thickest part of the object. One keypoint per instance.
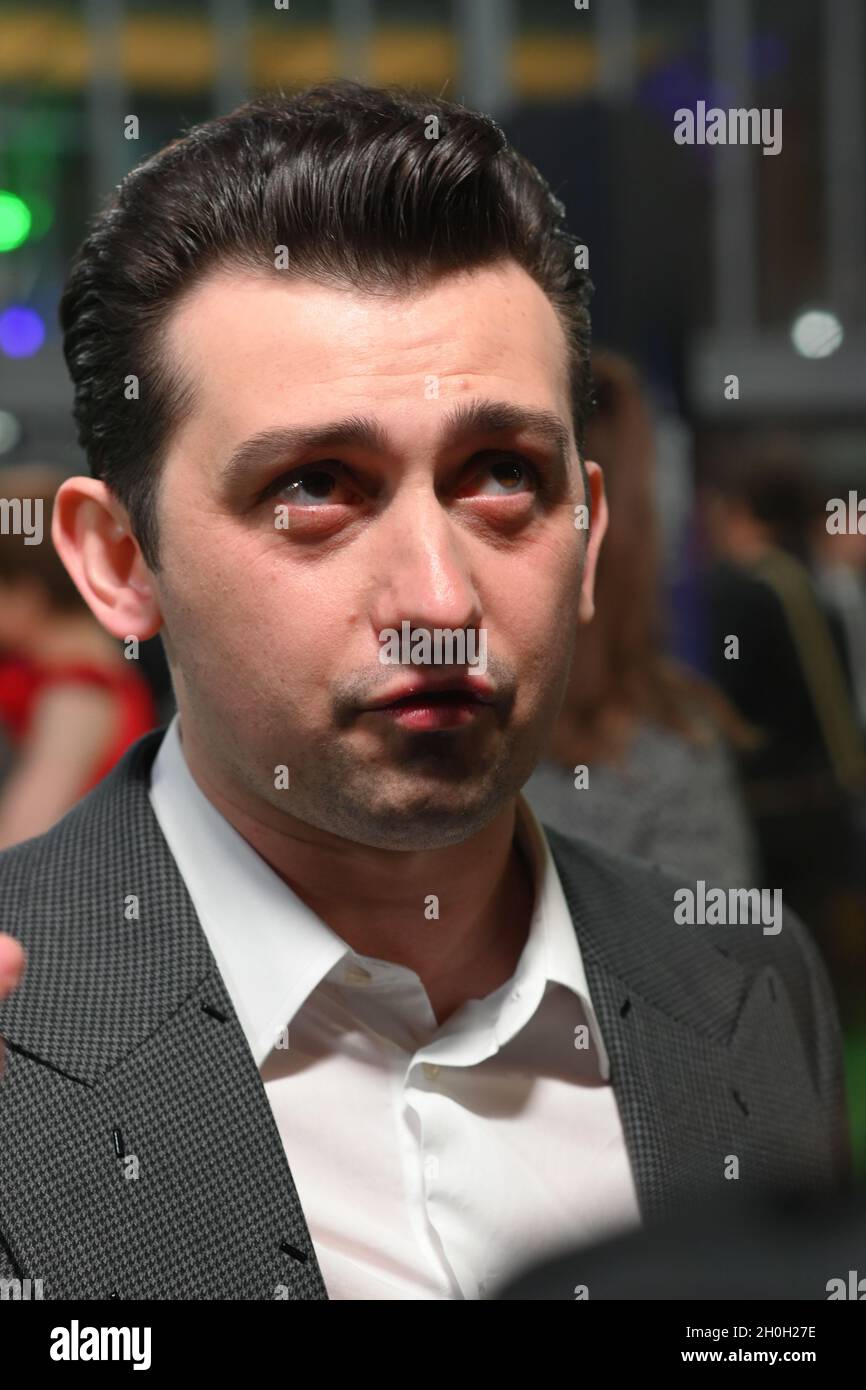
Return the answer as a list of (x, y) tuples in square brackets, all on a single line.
[(259, 350)]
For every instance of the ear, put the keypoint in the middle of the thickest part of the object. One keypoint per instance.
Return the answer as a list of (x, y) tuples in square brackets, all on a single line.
[(93, 537), (597, 528)]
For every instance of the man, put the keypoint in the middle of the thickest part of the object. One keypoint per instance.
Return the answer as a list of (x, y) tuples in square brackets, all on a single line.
[(804, 778), (312, 1006)]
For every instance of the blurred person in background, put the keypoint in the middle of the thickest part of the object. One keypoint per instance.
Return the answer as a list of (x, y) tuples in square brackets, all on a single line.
[(839, 566), (661, 784), (70, 703), (787, 675)]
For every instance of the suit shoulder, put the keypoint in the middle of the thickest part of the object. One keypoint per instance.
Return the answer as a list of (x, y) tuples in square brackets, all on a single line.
[(614, 875), (628, 885), (52, 880)]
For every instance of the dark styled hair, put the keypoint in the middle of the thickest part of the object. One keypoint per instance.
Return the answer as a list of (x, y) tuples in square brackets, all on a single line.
[(373, 188)]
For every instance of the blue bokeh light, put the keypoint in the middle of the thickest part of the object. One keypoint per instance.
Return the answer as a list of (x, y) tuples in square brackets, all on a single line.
[(22, 331)]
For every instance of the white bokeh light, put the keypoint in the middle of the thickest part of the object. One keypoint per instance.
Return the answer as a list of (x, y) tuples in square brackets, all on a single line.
[(10, 431), (816, 333)]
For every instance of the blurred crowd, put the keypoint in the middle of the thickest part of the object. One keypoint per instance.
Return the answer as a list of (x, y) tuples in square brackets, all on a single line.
[(744, 762)]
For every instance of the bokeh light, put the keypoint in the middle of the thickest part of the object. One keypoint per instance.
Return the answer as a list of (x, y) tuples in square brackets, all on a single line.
[(22, 331), (15, 221), (816, 333)]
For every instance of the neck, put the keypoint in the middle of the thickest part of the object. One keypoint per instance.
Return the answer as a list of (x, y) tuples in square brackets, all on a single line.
[(384, 903)]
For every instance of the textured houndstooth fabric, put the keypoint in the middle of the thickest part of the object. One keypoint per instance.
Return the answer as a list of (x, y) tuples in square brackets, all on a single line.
[(138, 1154)]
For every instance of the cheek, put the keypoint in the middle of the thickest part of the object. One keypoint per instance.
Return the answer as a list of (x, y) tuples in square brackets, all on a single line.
[(268, 633), (544, 588), (535, 625)]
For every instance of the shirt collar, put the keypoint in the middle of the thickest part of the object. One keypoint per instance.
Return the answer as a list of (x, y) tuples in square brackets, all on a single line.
[(273, 950), (553, 937)]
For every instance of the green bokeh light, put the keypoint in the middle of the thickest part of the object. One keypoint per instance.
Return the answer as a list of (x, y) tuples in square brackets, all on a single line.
[(15, 221)]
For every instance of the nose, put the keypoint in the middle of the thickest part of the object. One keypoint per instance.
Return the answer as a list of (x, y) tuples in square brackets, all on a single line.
[(422, 567)]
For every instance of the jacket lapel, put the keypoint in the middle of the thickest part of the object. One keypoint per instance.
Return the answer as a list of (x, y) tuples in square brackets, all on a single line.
[(707, 1064), (139, 1156)]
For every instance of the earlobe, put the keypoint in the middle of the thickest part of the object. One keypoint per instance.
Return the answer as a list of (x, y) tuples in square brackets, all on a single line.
[(93, 537)]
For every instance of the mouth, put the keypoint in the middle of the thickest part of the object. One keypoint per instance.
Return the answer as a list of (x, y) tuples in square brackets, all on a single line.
[(429, 709)]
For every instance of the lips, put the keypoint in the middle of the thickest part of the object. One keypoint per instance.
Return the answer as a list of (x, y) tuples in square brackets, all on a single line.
[(434, 697), (423, 693)]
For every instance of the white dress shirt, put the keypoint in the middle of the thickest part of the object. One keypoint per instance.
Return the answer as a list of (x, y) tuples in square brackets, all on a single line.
[(431, 1161)]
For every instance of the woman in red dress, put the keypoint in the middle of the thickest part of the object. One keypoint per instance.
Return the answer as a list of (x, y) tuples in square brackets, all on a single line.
[(70, 701)]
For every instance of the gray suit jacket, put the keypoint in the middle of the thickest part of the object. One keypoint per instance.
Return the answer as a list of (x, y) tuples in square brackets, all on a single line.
[(125, 1056)]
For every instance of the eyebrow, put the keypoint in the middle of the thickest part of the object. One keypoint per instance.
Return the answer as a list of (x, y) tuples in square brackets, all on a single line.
[(363, 431)]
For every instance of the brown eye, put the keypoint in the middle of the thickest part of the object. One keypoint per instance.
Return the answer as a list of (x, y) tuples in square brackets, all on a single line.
[(511, 475), (311, 485)]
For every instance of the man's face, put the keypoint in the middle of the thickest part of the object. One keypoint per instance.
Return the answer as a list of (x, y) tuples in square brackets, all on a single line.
[(278, 577)]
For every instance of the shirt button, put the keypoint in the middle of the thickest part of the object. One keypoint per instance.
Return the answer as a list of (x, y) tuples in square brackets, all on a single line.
[(430, 1069), (515, 994), (357, 975)]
